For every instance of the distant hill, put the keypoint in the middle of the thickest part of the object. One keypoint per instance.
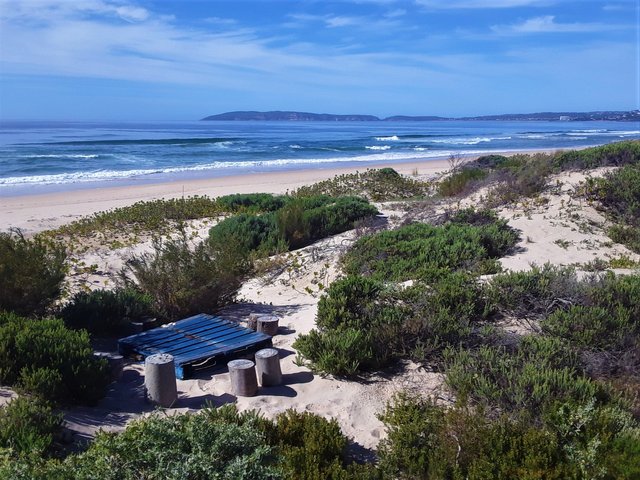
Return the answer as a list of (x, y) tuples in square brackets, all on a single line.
[(619, 116), (629, 116), (292, 116)]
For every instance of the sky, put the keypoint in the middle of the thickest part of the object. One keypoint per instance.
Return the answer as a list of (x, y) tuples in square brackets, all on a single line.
[(144, 60)]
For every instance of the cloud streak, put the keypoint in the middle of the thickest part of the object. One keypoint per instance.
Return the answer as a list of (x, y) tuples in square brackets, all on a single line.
[(548, 24), (481, 4)]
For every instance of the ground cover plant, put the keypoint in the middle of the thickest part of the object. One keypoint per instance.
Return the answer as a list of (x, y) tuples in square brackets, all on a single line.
[(523, 175), (46, 359), (106, 312), (142, 217), (183, 279), (468, 241), (211, 444), (300, 222), (31, 273), (27, 428), (363, 324), (429, 441), (618, 194), (377, 185)]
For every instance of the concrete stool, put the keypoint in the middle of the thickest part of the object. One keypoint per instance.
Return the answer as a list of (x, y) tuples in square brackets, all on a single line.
[(160, 379), (252, 322), (115, 361), (268, 324), (268, 367), (243, 378)]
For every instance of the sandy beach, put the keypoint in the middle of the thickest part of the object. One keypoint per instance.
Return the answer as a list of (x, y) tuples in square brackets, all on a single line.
[(34, 213)]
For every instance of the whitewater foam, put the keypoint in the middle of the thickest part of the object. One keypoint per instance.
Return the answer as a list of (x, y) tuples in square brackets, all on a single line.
[(392, 138), (378, 147)]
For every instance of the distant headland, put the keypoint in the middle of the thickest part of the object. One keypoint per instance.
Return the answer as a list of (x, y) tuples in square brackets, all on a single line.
[(287, 116)]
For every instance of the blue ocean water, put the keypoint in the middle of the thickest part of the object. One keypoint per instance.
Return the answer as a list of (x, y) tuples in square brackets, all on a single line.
[(40, 156)]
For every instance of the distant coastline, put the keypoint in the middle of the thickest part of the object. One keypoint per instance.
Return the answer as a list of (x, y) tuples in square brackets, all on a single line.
[(291, 116)]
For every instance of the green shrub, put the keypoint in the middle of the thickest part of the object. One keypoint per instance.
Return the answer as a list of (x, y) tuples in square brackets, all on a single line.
[(593, 328), (46, 358), (457, 182), (211, 444), (362, 326), (27, 427), (531, 376), (348, 301), (249, 233), (343, 352), (145, 216), (298, 223), (427, 441), (358, 326), (311, 446), (252, 202), (31, 273), (420, 251), (537, 292), (377, 185), (178, 447), (106, 311), (612, 154), (447, 313), (183, 280), (618, 193), (628, 236), (521, 178), (617, 291)]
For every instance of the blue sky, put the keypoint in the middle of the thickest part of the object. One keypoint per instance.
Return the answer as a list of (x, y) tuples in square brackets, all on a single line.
[(182, 60)]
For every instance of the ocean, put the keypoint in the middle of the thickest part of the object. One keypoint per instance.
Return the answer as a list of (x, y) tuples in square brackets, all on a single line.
[(40, 157)]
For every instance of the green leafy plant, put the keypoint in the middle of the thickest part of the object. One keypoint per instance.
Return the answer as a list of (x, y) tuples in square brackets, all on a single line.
[(31, 273), (106, 311), (46, 358), (183, 280), (27, 427)]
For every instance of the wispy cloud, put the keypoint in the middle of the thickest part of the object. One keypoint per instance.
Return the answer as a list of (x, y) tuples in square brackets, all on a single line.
[(481, 4), (547, 24)]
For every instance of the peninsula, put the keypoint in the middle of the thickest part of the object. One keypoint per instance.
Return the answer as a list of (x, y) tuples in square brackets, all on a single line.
[(617, 116)]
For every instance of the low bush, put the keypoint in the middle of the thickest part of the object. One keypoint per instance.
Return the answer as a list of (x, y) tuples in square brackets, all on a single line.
[(613, 154), (31, 273), (537, 292), (362, 325), (106, 311), (252, 202), (427, 441), (184, 280), (594, 328), (46, 358), (27, 427), (376, 185), (421, 251), (249, 232), (145, 216), (211, 444), (531, 376), (618, 194), (311, 447), (178, 447), (458, 182), (300, 222)]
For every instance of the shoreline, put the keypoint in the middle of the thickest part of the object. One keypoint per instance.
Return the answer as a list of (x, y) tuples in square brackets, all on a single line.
[(33, 213)]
